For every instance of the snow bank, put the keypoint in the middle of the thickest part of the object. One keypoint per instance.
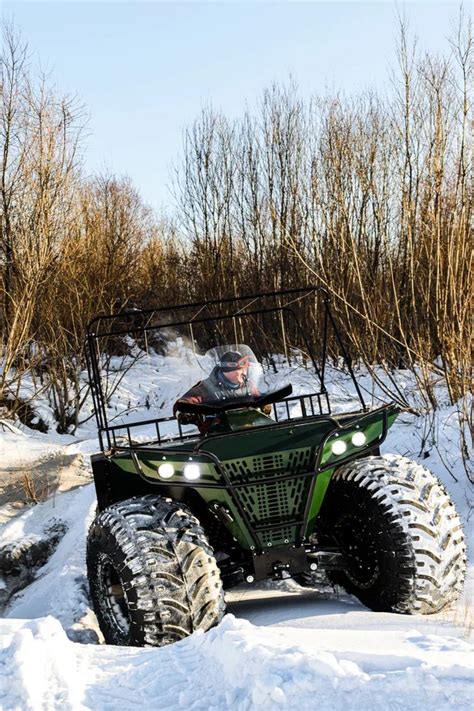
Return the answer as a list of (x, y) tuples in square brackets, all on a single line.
[(38, 663), (234, 666)]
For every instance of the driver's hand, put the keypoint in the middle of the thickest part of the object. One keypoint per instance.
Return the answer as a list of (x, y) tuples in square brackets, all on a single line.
[(188, 418), (267, 410)]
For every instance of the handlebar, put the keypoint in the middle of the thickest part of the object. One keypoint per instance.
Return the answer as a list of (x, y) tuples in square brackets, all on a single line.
[(219, 406)]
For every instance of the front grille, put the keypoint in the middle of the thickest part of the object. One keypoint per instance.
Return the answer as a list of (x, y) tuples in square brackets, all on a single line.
[(277, 502)]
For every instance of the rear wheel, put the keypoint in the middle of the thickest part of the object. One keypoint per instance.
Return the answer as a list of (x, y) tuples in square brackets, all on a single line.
[(152, 573), (399, 532)]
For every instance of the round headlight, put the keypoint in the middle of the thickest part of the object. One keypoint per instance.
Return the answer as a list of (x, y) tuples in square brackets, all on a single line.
[(192, 472), (338, 447), (166, 470), (358, 439)]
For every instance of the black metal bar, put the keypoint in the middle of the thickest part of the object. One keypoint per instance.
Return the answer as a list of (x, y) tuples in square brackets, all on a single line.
[(88, 350), (303, 407), (183, 437), (273, 526), (197, 304), (325, 341), (92, 384), (298, 420), (141, 423), (100, 392), (347, 360), (327, 402), (206, 319), (96, 385)]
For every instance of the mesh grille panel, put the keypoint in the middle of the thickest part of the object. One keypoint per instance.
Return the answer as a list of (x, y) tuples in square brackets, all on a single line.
[(240, 470), (279, 536), (275, 502)]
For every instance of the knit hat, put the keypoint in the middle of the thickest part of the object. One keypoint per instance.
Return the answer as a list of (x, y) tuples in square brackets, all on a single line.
[(233, 360)]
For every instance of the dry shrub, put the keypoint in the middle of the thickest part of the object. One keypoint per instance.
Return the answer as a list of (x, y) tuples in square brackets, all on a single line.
[(366, 196)]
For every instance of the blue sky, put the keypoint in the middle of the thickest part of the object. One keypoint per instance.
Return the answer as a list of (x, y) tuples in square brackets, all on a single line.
[(145, 70)]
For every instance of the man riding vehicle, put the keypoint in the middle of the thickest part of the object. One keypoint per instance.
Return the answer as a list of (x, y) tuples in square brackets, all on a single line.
[(230, 379)]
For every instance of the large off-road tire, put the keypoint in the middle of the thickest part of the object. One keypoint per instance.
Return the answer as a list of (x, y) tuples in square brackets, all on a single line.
[(152, 573), (400, 532)]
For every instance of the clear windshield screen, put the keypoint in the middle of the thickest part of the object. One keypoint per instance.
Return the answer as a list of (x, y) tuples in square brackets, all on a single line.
[(234, 373)]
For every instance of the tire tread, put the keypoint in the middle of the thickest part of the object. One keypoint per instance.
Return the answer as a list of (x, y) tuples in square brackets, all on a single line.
[(417, 503)]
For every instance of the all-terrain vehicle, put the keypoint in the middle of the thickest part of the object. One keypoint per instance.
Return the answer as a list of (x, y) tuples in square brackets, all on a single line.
[(257, 480)]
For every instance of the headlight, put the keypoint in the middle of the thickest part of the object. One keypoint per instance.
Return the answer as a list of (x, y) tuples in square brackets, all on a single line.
[(192, 472), (166, 470), (338, 447), (358, 439)]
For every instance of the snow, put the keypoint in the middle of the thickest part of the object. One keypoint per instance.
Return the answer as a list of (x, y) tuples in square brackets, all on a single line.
[(280, 646), (245, 667), (19, 448)]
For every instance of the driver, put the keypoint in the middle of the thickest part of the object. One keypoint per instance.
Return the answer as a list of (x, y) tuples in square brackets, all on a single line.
[(229, 379)]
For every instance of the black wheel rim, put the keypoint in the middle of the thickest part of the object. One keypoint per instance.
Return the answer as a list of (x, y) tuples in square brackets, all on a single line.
[(114, 597), (359, 545)]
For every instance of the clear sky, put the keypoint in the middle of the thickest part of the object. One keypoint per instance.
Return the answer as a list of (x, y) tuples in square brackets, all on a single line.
[(145, 70)]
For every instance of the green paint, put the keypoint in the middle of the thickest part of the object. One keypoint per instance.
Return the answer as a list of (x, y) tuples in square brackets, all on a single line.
[(321, 486), (254, 452)]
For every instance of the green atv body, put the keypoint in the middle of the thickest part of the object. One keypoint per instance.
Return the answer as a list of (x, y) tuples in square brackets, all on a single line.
[(265, 482), (302, 491)]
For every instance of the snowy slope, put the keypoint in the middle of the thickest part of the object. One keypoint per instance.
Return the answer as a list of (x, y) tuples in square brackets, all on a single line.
[(238, 666), (280, 647)]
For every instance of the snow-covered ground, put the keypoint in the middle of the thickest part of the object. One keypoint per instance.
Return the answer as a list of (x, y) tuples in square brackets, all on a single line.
[(280, 646)]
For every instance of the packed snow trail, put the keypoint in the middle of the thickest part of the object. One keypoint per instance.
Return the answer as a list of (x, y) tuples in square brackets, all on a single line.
[(281, 646), (236, 666)]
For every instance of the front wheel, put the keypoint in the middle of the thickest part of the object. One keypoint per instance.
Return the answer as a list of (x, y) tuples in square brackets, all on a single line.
[(399, 532), (152, 573)]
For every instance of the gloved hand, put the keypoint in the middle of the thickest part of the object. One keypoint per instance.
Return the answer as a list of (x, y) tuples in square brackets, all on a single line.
[(188, 418), (267, 410)]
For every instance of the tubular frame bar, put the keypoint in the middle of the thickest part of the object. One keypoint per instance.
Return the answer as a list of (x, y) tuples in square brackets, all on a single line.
[(213, 302), (112, 429)]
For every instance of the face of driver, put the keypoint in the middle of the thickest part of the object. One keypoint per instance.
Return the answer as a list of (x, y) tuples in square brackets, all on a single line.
[(236, 376)]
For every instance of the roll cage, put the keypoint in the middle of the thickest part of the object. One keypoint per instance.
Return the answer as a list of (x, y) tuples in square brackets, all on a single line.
[(296, 323)]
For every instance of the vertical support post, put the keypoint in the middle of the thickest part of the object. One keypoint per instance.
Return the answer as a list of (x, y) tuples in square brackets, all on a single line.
[(283, 333)]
